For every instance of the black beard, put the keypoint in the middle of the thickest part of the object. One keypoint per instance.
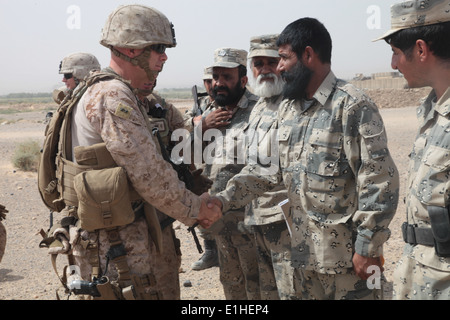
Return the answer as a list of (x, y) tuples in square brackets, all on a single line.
[(232, 98), (297, 81)]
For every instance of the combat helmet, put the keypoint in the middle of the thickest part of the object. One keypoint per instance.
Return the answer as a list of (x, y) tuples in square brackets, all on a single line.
[(79, 64), (138, 27)]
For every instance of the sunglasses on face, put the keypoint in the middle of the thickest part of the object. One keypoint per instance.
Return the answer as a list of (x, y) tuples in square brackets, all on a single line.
[(68, 76), (158, 48)]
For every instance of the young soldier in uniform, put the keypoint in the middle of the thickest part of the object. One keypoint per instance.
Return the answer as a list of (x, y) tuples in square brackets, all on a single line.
[(264, 214), (420, 43), (117, 258), (341, 181), (235, 244)]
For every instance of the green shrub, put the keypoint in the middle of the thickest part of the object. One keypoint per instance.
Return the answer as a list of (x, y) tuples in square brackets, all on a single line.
[(26, 156)]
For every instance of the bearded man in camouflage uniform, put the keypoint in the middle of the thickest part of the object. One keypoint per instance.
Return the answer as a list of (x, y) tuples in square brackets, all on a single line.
[(233, 104), (341, 181), (194, 116), (110, 112), (421, 51), (264, 214)]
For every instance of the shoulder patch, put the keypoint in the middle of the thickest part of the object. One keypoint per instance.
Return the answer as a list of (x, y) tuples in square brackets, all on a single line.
[(123, 111)]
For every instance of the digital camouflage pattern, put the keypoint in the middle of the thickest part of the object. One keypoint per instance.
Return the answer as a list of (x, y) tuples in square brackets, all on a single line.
[(115, 118), (428, 185), (166, 264), (137, 242), (112, 114), (341, 180), (79, 64), (137, 27)]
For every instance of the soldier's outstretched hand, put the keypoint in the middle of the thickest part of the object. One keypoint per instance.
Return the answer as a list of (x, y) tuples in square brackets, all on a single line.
[(209, 212)]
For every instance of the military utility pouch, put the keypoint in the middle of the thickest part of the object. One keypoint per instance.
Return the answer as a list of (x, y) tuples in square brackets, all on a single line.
[(103, 199), (440, 225), (94, 155), (107, 291)]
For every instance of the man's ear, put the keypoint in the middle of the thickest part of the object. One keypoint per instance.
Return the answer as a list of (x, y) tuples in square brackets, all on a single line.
[(422, 50), (308, 55), (244, 81), (132, 53)]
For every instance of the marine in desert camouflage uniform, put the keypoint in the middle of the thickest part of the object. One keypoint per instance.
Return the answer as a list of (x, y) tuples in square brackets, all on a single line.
[(167, 118), (75, 67), (264, 214), (3, 212), (235, 243), (110, 112), (341, 181), (419, 38)]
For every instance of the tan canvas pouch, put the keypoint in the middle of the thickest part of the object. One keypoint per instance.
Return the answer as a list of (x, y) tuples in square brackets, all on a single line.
[(103, 199)]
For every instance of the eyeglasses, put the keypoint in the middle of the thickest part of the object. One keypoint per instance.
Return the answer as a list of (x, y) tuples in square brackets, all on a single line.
[(68, 76), (158, 48)]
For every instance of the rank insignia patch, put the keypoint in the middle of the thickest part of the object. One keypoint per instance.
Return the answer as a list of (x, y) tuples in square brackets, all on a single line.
[(123, 111)]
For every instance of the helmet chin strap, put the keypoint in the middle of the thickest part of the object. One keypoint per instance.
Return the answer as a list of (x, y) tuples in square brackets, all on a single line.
[(142, 62)]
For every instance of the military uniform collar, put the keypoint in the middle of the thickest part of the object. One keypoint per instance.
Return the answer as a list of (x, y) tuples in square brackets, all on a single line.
[(244, 102), (425, 111), (326, 88), (245, 99), (443, 105)]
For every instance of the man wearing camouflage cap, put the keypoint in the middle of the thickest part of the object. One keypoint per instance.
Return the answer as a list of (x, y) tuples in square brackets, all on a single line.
[(194, 116), (264, 214), (75, 67), (115, 254), (420, 42), (232, 107), (341, 181)]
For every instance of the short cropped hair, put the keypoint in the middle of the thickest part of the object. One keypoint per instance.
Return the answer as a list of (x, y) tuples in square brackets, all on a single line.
[(437, 36), (307, 32)]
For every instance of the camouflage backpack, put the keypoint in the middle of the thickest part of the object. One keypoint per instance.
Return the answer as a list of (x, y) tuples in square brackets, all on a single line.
[(47, 169)]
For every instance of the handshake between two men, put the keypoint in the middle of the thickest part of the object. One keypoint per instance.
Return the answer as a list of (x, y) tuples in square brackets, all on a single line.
[(210, 211)]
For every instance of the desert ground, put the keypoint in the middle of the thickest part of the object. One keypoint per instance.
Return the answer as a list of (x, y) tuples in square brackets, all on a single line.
[(26, 272)]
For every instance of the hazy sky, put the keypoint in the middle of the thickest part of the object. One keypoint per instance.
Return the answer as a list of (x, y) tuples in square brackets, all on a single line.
[(36, 35)]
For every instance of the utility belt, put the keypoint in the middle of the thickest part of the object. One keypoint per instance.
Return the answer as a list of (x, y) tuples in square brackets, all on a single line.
[(128, 286), (438, 236), (101, 198)]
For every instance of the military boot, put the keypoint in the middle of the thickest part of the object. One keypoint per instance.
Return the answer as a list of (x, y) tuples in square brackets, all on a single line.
[(209, 259)]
